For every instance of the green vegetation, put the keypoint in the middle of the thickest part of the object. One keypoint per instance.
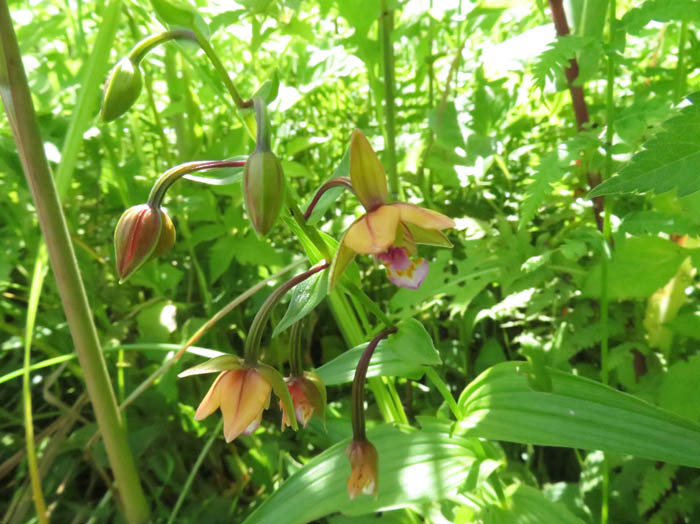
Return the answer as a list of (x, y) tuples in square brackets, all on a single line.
[(540, 162)]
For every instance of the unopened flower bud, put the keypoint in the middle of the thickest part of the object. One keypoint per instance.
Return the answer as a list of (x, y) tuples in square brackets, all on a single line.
[(142, 232), (308, 397), (363, 465), (122, 88), (263, 189)]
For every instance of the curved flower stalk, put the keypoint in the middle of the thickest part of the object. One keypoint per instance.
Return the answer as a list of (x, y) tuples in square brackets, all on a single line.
[(390, 232)]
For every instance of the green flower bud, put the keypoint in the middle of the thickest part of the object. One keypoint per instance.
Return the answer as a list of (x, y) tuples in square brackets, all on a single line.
[(263, 189), (174, 12), (122, 88), (142, 233)]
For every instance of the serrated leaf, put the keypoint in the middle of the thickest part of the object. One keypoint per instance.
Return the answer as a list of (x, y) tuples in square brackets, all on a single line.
[(547, 172), (656, 482), (305, 297), (578, 413), (668, 161), (414, 467)]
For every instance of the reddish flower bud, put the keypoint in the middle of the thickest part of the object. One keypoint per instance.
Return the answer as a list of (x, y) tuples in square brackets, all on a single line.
[(142, 232), (263, 189), (363, 465), (308, 397)]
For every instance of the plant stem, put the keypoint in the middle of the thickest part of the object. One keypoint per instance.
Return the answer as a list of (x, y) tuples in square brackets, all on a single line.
[(219, 66), (296, 357), (358, 386), (444, 391), (20, 110), (679, 88), (252, 342), (193, 472), (32, 306), (604, 273), (387, 19), (173, 174), (578, 101), (144, 46), (340, 181)]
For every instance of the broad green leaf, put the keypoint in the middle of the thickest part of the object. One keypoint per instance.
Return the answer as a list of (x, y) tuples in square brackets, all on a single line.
[(403, 354), (653, 222), (638, 267), (668, 161), (578, 413), (414, 467), (305, 297), (677, 391), (527, 505)]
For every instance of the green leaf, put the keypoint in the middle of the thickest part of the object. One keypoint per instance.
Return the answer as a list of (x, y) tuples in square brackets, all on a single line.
[(305, 297), (547, 172), (669, 159), (578, 413), (403, 354), (215, 365), (677, 391), (660, 11), (414, 467), (638, 267), (525, 505)]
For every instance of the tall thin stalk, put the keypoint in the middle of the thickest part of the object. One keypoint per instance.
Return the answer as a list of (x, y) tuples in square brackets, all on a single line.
[(20, 110), (387, 25), (604, 274)]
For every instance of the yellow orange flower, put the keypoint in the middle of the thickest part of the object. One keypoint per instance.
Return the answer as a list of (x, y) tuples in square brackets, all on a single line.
[(242, 395), (390, 232), (241, 391), (363, 468)]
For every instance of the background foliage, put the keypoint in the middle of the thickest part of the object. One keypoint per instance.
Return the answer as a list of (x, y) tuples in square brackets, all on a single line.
[(485, 133)]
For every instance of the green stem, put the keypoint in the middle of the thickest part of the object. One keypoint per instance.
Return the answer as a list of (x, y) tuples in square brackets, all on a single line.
[(340, 181), (20, 110), (387, 18), (262, 139), (144, 46), (679, 88), (367, 302), (358, 386), (444, 391), (220, 69), (296, 357), (609, 135), (193, 472), (173, 174), (252, 342), (32, 306)]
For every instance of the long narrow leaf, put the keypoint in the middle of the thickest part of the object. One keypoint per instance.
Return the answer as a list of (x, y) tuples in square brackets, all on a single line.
[(414, 466), (577, 413)]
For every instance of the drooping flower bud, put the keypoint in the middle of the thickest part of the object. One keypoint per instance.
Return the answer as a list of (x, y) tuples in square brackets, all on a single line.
[(142, 232), (263, 187), (263, 179), (363, 468), (122, 88), (308, 397)]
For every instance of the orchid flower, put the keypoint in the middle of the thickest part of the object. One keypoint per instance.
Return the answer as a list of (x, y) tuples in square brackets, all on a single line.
[(389, 231)]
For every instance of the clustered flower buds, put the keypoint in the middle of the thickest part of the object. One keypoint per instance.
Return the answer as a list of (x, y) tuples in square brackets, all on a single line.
[(143, 232)]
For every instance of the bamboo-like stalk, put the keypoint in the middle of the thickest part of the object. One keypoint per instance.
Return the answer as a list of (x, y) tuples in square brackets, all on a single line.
[(20, 110)]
